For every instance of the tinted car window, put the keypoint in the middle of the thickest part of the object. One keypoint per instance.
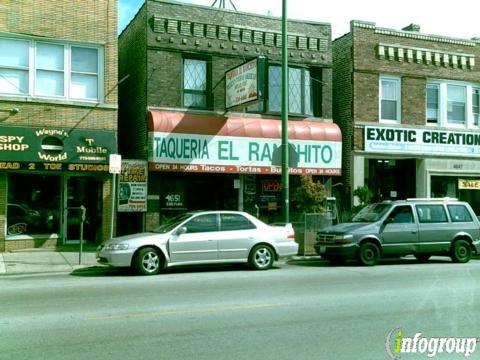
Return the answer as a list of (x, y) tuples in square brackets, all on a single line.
[(459, 213), (202, 223), (402, 214), (235, 222), (371, 213), (431, 213)]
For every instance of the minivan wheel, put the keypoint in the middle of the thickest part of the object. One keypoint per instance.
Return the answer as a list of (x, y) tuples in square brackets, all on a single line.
[(261, 257), (369, 254), (461, 251), (147, 261), (422, 257)]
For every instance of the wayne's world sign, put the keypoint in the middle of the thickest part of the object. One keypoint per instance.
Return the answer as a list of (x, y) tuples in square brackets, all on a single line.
[(56, 145), (229, 154), (421, 141)]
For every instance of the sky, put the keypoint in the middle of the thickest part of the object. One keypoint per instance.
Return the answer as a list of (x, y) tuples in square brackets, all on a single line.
[(458, 20)]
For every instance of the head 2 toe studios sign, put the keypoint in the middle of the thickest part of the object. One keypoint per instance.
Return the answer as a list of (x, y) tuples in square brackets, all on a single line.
[(421, 141), (55, 149)]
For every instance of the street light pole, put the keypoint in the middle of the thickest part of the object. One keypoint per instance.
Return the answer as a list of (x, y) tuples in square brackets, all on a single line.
[(285, 170)]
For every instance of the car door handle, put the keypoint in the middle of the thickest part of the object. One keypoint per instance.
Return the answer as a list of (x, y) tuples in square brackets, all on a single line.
[(414, 231), (210, 240)]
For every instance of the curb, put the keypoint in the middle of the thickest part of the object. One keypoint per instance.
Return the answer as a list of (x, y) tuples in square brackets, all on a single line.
[(3, 269)]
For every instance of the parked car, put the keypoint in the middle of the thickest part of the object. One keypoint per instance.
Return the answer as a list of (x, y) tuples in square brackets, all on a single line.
[(204, 237), (422, 227)]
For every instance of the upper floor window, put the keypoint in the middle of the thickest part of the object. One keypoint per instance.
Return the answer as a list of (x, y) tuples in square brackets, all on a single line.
[(196, 83), (452, 104), (299, 90), (456, 104), (52, 70), (476, 106), (390, 99), (432, 103)]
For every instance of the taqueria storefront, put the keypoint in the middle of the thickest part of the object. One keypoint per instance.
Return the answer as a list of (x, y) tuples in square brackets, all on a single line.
[(232, 162), (46, 176)]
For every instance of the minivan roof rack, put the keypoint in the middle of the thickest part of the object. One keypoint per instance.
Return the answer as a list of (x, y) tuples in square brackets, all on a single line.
[(433, 199)]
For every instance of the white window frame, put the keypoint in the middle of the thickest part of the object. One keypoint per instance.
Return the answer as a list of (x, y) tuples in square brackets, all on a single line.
[(475, 88), (398, 89), (437, 86), (67, 72), (443, 103)]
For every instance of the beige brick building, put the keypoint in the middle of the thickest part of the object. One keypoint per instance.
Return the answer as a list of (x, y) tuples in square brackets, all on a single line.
[(58, 120), (408, 107)]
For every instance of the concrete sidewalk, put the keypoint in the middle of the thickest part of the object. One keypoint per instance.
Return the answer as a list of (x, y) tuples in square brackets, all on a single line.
[(44, 260)]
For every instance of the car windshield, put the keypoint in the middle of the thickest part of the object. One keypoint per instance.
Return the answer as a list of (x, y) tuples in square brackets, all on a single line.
[(170, 224), (371, 213)]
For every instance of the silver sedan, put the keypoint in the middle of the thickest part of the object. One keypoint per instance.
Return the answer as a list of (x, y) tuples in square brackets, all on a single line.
[(205, 237)]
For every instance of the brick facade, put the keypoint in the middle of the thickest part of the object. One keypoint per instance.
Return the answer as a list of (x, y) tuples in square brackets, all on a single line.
[(88, 22), (368, 52), (154, 44)]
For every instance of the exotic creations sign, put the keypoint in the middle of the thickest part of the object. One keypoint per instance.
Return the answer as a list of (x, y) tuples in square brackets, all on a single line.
[(244, 84), (422, 141), (132, 193), (26, 148), (230, 154)]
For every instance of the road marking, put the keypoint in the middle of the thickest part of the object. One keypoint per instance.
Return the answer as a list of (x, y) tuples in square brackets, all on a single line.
[(184, 312)]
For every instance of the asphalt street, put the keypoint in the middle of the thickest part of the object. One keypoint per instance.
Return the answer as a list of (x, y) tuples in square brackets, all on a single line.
[(299, 310)]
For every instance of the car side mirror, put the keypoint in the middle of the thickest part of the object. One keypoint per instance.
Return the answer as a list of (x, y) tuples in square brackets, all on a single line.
[(181, 230)]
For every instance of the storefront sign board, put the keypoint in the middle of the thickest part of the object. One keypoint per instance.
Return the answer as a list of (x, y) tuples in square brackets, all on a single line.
[(229, 154), (244, 83), (132, 192), (56, 145), (465, 184), (422, 141)]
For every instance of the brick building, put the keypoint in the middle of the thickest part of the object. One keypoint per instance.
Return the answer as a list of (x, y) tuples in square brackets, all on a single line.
[(408, 107), (202, 154), (58, 120)]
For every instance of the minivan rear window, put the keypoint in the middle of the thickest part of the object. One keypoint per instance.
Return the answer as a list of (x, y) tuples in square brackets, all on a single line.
[(459, 213)]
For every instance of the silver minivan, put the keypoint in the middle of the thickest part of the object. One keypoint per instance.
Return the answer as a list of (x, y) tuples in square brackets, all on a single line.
[(422, 227)]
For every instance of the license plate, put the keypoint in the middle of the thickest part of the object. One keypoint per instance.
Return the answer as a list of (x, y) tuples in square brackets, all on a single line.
[(323, 249)]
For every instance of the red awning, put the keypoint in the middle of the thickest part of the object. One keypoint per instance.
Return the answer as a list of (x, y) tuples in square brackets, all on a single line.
[(185, 123)]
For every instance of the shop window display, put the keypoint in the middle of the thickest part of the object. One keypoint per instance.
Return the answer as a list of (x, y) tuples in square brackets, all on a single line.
[(33, 204)]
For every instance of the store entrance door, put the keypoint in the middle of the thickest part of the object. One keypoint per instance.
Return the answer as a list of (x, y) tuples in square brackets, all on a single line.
[(82, 191)]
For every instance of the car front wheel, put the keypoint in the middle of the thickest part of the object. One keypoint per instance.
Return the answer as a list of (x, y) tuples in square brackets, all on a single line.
[(261, 257), (461, 251), (369, 254), (147, 261)]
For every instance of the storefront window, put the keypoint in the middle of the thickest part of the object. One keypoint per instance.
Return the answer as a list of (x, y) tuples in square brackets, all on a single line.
[(33, 204)]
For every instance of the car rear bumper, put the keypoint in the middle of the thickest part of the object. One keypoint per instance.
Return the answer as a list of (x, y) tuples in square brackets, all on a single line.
[(347, 251), (289, 248)]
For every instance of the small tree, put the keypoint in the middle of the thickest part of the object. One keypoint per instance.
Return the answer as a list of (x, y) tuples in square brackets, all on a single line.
[(310, 195)]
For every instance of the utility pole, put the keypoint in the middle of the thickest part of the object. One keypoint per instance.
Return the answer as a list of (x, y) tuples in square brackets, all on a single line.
[(285, 169)]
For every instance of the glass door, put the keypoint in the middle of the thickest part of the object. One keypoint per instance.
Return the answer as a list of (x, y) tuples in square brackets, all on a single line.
[(82, 191)]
